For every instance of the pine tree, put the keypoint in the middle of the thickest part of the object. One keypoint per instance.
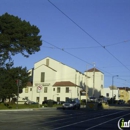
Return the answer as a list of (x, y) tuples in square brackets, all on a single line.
[(17, 36)]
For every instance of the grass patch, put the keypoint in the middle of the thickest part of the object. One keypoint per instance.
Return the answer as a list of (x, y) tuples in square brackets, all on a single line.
[(20, 106), (24, 106)]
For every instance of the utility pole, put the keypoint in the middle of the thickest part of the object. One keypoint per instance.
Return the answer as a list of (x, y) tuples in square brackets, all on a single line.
[(113, 86), (19, 83), (93, 79), (86, 86)]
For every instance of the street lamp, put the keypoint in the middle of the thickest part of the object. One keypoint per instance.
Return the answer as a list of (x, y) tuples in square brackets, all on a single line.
[(113, 85)]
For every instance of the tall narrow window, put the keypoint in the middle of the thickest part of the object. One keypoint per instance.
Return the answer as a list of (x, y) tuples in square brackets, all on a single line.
[(37, 99), (67, 90), (45, 89), (42, 76), (58, 99), (47, 62), (107, 94), (58, 90), (45, 98), (30, 89), (67, 99)]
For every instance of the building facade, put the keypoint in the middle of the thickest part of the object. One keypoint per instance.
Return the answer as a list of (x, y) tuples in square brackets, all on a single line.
[(54, 80), (95, 82), (111, 92), (124, 94)]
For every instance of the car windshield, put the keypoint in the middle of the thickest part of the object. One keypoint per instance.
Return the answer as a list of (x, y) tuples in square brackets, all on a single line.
[(71, 101), (92, 98)]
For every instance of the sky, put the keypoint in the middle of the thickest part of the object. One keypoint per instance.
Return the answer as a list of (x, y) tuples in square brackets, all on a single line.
[(80, 34)]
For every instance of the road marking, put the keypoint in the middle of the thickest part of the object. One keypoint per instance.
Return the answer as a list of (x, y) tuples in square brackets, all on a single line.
[(85, 120), (66, 117), (106, 121), (81, 113)]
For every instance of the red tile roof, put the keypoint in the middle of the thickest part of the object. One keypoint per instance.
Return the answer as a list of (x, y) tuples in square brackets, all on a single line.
[(64, 83), (93, 69)]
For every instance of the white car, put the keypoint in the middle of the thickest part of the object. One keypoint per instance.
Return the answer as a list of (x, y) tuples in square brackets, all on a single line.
[(73, 103)]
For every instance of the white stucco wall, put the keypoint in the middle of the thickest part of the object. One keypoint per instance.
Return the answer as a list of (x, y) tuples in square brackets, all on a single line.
[(111, 93), (56, 72), (97, 83)]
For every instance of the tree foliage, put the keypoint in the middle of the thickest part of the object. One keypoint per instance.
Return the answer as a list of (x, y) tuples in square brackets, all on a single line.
[(9, 77), (17, 36)]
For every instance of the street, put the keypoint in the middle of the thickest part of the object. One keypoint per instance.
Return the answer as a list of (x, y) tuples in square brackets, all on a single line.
[(53, 119)]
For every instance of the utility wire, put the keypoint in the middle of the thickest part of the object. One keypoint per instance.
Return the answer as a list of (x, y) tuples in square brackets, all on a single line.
[(97, 46), (79, 58), (88, 34), (90, 46), (73, 55), (68, 52)]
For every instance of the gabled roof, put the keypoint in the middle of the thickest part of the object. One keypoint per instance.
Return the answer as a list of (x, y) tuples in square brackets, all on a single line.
[(46, 66), (64, 83), (61, 63), (93, 69)]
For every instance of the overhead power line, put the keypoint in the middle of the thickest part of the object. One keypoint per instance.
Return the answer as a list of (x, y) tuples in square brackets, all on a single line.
[(88, 35), (73, 55), (108, 45), (90, 46)]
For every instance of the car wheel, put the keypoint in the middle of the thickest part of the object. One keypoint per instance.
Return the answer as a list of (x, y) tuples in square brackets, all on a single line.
[(74, 107), (78, 107)]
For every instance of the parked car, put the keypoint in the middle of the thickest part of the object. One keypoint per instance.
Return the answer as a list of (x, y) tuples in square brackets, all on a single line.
[(102, 100), (60, 102), (49, 101), (92, 99), (31, 102), (72, 103), (121, 102)]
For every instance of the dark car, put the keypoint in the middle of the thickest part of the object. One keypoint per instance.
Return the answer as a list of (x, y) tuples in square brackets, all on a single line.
[(49, 101), (92, 99), (102, 100), (60, 102), (121, 102), (73, 103)]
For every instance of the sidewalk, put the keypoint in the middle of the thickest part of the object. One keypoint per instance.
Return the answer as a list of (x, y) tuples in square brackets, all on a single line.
[(36, 109), (16, 110)]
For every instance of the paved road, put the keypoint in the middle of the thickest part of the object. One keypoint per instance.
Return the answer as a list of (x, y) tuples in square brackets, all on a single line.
[(52, 119)]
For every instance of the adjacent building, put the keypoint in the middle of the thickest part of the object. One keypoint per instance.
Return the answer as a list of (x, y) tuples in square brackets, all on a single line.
[(120, 93), (124, 94), (111, 92)]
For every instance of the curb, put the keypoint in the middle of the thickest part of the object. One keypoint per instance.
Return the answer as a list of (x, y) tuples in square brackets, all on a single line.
[(17, 110)]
